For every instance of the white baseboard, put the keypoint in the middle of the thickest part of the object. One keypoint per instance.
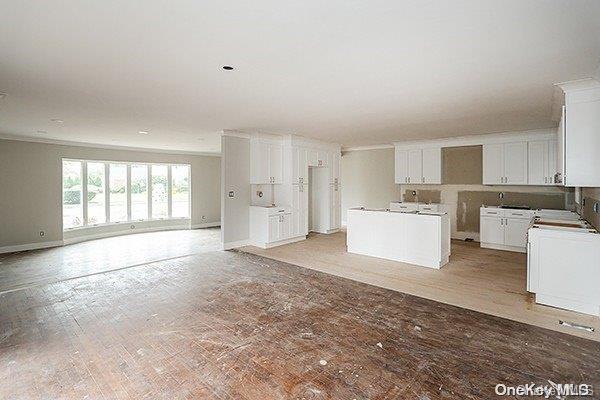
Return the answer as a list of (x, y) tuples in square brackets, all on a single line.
[(503, 247), (206, 225), (103, 235), (30, 246), (233, 245), (279, 243)]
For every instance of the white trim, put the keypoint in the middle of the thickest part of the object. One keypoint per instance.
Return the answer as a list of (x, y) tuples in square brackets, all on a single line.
[(30, 246), (206, 225), (233, 245), (474, 140), (128, 231), (503, 247), (278, 243), (59, 142), (578, 84), (239, 134), (363, 148)]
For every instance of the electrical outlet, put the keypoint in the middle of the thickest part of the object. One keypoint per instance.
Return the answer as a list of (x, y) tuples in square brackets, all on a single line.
[(231, 194), (42, 233), (204, 217), (132, 226), (597, 207)]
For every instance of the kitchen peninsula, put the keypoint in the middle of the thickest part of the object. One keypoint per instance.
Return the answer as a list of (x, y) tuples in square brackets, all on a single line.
[(421, 238)]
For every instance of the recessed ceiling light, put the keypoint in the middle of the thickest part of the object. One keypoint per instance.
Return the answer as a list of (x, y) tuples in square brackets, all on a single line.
[(57, 120), (144, 132), (227, 67)]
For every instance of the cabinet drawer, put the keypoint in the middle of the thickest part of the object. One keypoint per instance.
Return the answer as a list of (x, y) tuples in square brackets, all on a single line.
[(519, 214), (492, 212), (429, 207)]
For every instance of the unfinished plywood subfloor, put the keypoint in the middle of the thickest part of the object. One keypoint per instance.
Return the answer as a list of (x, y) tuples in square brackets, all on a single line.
[(485, 280), (236, 326)]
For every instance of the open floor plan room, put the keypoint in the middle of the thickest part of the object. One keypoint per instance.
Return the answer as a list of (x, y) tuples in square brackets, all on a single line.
[(313, 200)]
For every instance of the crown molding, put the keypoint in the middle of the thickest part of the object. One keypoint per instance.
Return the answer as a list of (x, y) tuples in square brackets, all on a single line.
[(58, 142), (372, 147), (579, 84)]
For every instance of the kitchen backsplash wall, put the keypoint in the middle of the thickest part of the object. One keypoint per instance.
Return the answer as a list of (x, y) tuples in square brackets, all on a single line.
[(591, 196), (462, 202)]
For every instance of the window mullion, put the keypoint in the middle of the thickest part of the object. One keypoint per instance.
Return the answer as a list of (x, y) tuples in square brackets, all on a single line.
[(84, 192), (128, 191), (169, 193), (107, 192), (149, 191)]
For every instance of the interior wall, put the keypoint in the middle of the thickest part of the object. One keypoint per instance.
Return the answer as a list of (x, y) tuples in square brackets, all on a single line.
[(367, 179), (591, 196), (235, 191), (31, 186)]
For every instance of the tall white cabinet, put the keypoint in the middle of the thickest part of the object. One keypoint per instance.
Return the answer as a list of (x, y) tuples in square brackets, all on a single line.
[(579, 135)]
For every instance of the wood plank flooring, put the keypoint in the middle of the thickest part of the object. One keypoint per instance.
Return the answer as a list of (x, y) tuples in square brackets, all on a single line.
[(231, 325), (485, 280), (27, 268)]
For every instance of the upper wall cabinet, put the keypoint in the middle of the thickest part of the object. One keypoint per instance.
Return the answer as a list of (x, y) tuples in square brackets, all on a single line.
[(266, 162), (579, 135), (505, 163), (541, 162), (418, 166)]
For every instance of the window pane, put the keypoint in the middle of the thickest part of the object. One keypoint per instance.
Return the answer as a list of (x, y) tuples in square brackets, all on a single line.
[(139, 192), (72, 193), (180, 187), (159, 192), (96, 186), (118, 192)]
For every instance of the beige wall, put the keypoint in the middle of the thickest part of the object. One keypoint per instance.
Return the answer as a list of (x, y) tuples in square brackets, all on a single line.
[(30, 186), (367, 179)]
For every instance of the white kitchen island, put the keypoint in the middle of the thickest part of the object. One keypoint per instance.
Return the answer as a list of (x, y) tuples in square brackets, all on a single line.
[(421, 238)]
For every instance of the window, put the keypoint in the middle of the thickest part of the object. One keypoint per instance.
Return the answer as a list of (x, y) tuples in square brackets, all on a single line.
[(180, 191), (105, 192), (139, 192), (118, 192), (72, 194), (160, 193), (96, 193)]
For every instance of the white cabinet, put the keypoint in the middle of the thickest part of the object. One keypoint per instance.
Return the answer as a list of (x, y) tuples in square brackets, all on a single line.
[(266, 162), (505, 163), (580, 135), (541, 162), (299, 210), (335, 212), (317, 158), (403, 206), (401, 165), (299, 165), (418, 165), (504, 229), (269, 226), (334, 167), (415, 166), (432, 165)]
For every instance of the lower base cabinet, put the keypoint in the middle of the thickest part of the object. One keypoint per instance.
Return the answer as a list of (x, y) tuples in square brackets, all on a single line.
[(271, 226), (504, 229)]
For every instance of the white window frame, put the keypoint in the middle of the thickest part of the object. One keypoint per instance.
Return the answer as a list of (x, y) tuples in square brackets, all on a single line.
[(128, 164)]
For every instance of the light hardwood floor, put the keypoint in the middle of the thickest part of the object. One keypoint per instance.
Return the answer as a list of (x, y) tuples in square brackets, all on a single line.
[(484, 280)]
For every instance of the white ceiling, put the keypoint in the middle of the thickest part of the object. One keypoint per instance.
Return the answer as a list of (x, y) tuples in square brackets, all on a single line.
[(353, 72)]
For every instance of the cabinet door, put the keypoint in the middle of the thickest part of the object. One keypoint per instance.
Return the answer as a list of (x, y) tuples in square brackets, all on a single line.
[(259, 162), (492, 230), (274, 228), (276, 163), (560, 150), (334, 167), (515, 163), (334, 212), (299, 165), (312, 157), (285, 227), (415, 166), (493, 164), (432, 165), (322, 158), (537, 163), (401, 166), (515, 232), (582, 143), (552, 156)]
